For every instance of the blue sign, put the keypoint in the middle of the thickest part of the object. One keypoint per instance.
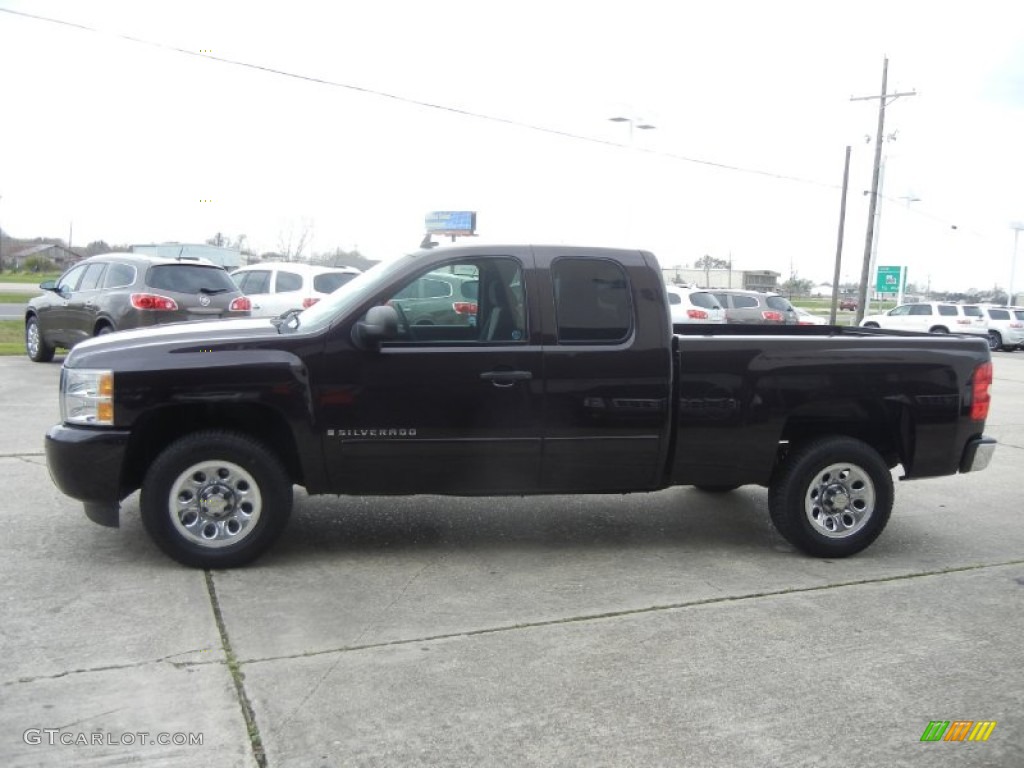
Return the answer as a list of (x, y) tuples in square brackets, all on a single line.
[(451, 222)]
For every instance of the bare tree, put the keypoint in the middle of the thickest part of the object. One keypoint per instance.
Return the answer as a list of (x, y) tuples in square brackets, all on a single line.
[(707, 263), (291, 245)]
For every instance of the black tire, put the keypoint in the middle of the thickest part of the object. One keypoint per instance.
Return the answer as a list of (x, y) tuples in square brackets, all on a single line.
[(247, 495), (103, 329), (938, 329), (995, 341), (870, 325), (831, 497), (716, 488), (35, 346)]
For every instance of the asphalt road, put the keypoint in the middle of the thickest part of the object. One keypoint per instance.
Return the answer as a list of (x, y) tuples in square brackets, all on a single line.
[(12, 311), (672, 628)]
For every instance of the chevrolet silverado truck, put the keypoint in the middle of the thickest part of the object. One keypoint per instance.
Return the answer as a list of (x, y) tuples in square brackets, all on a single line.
[(552, 370)]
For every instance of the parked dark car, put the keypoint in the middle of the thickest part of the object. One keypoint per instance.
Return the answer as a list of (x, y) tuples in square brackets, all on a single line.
[(116, 291), (850, 304)]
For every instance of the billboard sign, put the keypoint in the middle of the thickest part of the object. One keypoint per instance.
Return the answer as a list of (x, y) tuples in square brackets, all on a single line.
[(451, 222)]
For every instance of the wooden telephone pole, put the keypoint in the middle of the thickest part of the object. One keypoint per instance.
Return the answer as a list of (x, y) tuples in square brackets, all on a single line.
[(883, 100)]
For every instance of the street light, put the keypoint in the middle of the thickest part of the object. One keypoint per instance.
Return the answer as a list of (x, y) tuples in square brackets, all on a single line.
[(1016, 226), (639, 125)]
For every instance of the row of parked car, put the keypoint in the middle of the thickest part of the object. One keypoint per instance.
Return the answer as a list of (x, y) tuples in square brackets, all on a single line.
[(1002, 326), (119, 291), (713, 305)]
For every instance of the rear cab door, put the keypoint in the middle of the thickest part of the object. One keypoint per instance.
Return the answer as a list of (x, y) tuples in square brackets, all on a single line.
[(607, 369)]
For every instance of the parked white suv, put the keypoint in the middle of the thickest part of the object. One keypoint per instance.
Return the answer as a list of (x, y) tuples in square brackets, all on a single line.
[(689, 305), (274, 287), (932, 317), (1005, 327)]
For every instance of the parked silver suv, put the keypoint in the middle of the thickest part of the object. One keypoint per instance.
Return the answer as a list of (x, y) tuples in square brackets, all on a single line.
[(751, 307), (1005, 327)]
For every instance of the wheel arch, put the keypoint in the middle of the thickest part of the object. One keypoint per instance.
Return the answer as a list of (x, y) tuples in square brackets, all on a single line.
[(155, 430), (885, 426)]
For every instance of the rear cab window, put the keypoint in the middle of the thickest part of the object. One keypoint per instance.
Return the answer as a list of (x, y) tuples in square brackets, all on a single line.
[(592, 301)]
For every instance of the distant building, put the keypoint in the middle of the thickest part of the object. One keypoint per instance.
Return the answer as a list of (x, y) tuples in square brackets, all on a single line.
[(749, 279), (58, 254), (229, 258)]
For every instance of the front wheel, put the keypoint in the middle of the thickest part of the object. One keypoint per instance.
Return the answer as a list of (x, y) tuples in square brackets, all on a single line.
[(995, 341), (831, 497), (215, 499), (35, 346)]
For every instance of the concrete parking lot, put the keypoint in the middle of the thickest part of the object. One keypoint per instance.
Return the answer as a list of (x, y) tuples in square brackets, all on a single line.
[(672, 628)]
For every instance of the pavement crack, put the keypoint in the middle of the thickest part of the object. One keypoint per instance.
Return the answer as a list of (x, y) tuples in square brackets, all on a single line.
[(236, 676), (604, 616), (375, 622)]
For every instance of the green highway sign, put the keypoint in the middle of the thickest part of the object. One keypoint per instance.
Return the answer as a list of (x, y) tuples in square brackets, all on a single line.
[(890, 279)]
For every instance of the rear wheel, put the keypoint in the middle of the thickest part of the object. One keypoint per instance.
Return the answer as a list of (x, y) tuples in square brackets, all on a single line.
[(35, 346), (870, 325), (831, 497), (103, 329), (216, 499), (938, 329)]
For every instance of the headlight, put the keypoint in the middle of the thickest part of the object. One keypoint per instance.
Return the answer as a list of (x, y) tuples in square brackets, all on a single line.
[(87, 397)]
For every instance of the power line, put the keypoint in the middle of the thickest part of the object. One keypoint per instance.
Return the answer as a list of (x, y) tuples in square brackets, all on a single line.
[(423, 104)]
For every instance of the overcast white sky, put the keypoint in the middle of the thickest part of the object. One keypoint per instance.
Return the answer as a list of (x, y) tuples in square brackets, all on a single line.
[(129, 140)]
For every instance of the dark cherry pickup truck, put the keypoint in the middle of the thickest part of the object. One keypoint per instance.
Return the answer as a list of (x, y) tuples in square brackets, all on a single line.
[(507, 370)]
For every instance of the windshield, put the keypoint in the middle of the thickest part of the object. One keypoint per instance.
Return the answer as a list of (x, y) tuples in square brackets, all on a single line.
[(351, 294)]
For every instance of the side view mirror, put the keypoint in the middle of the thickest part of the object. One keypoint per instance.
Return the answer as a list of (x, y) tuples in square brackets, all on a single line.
[(381, 324)]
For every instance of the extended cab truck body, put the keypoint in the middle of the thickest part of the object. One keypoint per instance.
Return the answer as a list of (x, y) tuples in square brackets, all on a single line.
[(570, 380)]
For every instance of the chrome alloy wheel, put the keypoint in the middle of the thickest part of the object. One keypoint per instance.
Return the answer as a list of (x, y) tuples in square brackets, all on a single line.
[(32, 339), (840, 500), (215, 503)]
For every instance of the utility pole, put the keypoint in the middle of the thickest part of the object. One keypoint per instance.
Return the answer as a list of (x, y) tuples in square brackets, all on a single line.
[(883, 100), (839, 243)]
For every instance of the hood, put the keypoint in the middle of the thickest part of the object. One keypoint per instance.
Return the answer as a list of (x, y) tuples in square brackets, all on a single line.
[(206, 336)]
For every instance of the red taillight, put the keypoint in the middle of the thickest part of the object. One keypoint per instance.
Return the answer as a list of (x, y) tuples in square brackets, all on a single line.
[(153, 301), (697, 314), (309, 301), (464, 307), (241, 304), (772, 317), (980, 397)]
